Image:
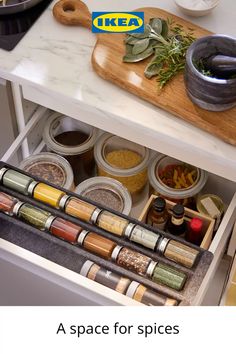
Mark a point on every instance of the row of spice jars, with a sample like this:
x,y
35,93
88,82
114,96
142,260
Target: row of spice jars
x,y
90,213
123,256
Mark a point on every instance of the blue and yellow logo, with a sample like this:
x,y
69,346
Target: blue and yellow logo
x,y
118,22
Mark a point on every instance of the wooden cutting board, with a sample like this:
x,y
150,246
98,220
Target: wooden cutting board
x,y
107,62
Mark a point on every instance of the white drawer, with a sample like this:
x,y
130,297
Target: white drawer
x,y
87,291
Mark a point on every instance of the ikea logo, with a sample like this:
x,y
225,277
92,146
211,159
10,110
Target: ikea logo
x,y
118,22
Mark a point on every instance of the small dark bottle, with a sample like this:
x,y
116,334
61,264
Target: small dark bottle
x,y
158,215
194,234
176,225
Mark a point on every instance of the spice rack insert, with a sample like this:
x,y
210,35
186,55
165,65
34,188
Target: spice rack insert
x,y
208,223
194,275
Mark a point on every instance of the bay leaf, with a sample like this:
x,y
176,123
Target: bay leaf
x,y
140,46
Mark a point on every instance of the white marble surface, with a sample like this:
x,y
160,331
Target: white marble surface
x,y
54,60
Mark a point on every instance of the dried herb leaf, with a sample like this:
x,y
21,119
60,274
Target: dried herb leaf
x,y
130,58
129,49
145,34
165,29
153,68
131,40
156,25
141,46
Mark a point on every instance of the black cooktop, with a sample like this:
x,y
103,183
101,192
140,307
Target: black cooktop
x,y
14,27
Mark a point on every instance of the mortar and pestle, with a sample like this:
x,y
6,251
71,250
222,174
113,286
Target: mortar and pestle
x,y
217,53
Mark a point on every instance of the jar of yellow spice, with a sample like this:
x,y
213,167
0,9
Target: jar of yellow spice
x,y
124,161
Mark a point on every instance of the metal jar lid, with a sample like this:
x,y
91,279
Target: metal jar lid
x,y
95,215
2,172
31,187
82,235
132,289
162,246
63,201
151,268
49,222
17,207
116,252
86,268
129,229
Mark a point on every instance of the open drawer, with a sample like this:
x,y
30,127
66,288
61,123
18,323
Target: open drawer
x,y
87,291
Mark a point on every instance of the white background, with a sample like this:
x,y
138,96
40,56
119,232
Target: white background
x,y
33,330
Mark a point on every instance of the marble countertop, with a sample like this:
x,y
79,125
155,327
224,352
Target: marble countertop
x,y
55,60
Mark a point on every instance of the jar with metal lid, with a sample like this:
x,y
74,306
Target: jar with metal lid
x,y
124,161
108,192
15,180
46,194
50,167
105,277
78,208
73,140
32,215
169,276
148,297
112,223
65,229
7,203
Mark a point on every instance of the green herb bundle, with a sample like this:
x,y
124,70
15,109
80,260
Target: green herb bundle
x,y
168,42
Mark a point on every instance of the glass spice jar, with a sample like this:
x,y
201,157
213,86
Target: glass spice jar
x,y
157,214
7,203
148,297
131,260
73,140
46,194
50,167
124,161
105,277
15,180
32,215
169,276
142,236
96,244
78,208
65,229
112,223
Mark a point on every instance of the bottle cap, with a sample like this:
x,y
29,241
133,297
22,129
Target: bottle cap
x,y
132,289
49,222
86,268
82,235
116,252
159,204
196,224
151,268
31,187
63,201
129,229
2,171
178,210
17,207
95,215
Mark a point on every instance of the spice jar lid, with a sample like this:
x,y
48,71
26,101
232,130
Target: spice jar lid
x,y
86,268
31,187
95,215
132,289
52,126
129,229
178,211
108,192
82,236
50,167
101,161
116,252
2,171
162,245
17,207
49,222
63,201
151,268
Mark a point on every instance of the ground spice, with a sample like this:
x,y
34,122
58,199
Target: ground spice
x,y
7,203
65,230
79,209
112,223
134,261
48,171
99,245
106,197
47,194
